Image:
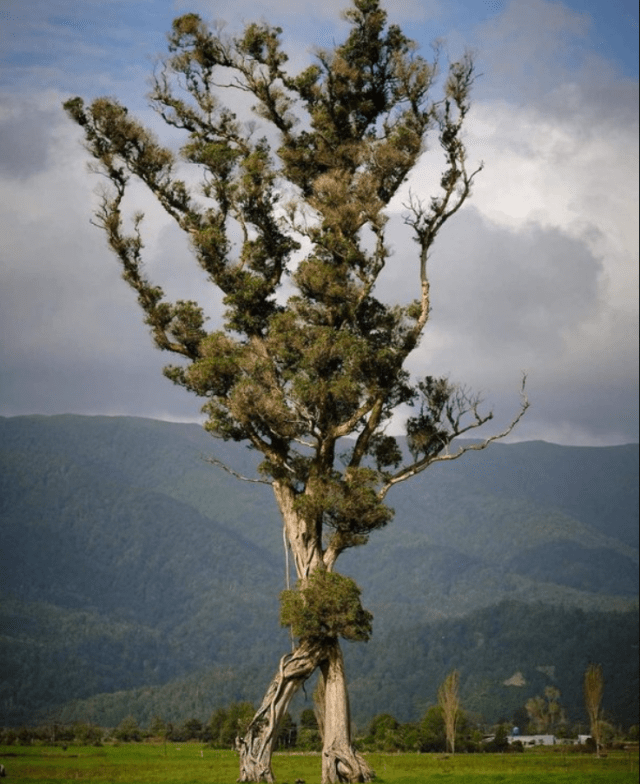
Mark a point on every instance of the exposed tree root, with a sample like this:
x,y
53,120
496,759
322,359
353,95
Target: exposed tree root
x,y
341,764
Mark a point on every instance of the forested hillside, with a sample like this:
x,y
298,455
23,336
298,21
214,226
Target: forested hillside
x,y
132,568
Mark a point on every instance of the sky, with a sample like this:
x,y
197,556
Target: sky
x,y
537,274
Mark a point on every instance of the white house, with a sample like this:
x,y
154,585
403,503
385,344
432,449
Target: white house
x,y
534,740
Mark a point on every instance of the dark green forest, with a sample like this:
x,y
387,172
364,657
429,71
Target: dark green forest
x,y
129,567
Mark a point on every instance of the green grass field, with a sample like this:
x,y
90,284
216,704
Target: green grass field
x,y
191,763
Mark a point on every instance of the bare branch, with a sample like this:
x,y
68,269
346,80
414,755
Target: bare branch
x,y
214,461
420,465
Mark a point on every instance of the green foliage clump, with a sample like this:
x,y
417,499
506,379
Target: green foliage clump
x,y
326,605
309,738
89,734
384,733
226,724
128,730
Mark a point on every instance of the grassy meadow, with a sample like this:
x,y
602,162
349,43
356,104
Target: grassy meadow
x,y
191,763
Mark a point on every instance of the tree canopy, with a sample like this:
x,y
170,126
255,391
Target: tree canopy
x,y
291,376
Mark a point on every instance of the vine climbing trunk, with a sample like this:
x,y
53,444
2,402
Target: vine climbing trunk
x,y
257,745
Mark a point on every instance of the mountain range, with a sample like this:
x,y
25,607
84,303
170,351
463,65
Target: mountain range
x,y
136,577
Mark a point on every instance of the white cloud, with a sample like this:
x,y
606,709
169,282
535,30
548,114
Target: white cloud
x,y
559,173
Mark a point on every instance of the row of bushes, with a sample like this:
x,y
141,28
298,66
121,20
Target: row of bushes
x,y
384,733
219,732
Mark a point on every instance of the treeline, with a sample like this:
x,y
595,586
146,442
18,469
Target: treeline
x,y
383,734
219,732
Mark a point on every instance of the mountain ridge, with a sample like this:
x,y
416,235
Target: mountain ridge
x,y
122,519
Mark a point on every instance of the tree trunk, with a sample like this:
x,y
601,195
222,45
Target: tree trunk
x,y
302,535
257,744
340,761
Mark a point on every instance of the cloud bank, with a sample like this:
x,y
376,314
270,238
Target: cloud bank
x,y
538,273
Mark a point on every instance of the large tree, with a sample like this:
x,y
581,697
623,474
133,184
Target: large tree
x,y
291,226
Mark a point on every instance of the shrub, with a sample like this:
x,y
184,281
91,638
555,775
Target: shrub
x,y
128,730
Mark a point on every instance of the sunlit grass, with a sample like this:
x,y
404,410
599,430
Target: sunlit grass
x,y
193,763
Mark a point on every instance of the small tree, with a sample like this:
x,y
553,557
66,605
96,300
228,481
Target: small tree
x,y
308,720
287,732
432,734
383,732
192,729
546,713
216,727
231,723
593,690
88,734
500,741
128,730
157,727
309,354
309,734
449,702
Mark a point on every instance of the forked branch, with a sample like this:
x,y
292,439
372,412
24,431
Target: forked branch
x,y
420,465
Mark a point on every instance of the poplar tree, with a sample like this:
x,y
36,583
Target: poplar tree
x,y
291,227
449,702
593,690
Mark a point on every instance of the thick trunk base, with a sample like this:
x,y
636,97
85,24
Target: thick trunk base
x,y
341,763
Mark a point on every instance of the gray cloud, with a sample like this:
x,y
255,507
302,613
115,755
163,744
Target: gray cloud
x,y
540,273
511,290
528,46
506,301
537,274
24,140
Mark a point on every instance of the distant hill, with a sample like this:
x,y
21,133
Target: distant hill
x,y
132,568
